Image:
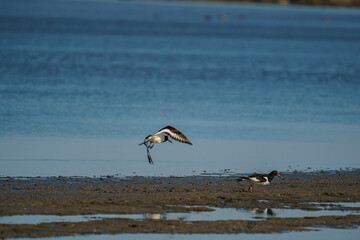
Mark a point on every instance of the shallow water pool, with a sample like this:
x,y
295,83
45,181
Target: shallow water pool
x,y
255,214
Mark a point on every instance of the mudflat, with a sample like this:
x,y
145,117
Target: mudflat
x,y
161,195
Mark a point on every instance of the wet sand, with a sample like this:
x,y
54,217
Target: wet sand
x,y
138,195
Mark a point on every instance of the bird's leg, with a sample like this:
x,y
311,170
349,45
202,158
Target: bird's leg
x,y
250,188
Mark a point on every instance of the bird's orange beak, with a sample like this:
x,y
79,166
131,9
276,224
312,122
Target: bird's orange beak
x,y
280,176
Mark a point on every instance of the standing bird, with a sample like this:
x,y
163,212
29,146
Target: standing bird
x,y
162,136
262,179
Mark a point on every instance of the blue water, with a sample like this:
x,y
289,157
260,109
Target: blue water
x,y
254,87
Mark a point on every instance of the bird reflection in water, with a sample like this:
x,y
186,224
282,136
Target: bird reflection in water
x,y
164,216
154,216
266,212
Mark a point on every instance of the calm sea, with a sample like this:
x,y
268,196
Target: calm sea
x,y
254,87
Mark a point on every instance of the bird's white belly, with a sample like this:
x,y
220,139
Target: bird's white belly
x,y
159,138
264,183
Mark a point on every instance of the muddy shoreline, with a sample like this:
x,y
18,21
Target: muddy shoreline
x,y
139,195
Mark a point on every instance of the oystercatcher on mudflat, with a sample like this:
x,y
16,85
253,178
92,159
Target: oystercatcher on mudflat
x,y
162,136
262,179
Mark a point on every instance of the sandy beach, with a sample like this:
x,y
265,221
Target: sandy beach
x,y
161,195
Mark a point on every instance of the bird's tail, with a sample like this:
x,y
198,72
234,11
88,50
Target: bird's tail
x,y
147,139
144,142
242,179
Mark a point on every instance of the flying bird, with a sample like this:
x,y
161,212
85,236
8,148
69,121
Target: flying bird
x,y
162,136
262,179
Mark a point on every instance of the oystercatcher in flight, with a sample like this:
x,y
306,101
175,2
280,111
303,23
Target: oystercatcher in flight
x,y
262,179
162,136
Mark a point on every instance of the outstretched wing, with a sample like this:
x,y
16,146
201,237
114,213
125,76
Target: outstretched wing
x,y
149,156
174,134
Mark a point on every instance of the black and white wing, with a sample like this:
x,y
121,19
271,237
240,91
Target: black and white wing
x,y
258,178
174,134
149,156
146,143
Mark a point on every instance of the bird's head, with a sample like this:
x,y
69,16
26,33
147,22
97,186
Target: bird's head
x,y
275,173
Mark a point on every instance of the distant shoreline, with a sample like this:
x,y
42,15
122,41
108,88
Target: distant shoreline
x,y
331,3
